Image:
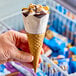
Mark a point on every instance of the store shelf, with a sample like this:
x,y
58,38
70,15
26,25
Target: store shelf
x,y
67,5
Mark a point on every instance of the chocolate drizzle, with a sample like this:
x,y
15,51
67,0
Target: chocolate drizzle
x,y
26,14
35,10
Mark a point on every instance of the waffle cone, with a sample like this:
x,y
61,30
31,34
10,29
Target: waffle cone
x,y
35,44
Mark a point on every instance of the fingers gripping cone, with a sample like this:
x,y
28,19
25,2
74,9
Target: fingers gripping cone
x,y
35,28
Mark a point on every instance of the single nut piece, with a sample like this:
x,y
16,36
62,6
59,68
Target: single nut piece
x,y
46,8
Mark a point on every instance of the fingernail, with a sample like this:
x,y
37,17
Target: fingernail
x,y
32,58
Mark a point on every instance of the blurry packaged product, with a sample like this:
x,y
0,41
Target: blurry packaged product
x,y
66,52
61,52
52,29
49,34
63,67
70,30
51,17
9,70
65,33
45,68
41,65
25,71
69,34
69,45
71,15
64,60
3,70
60,56
64,64
40,72
75,37
63,38
60,73
56,72
68,14
61,9
57,21
10,67
55,61
54,20
60,24
64,10
47,50
52,58
70,54
72,65
44,63
49,73
2,67
48,69
73,57
56,44
72,51
52,71
67,28
64,25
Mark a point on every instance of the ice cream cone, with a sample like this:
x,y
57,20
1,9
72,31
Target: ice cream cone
x,y
35,44
35,27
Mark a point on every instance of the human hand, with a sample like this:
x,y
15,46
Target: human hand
x,y
9,44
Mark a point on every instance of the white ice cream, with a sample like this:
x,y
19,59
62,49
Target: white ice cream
x,y
35,25
32,22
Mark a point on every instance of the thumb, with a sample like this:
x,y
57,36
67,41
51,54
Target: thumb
x,y
22,56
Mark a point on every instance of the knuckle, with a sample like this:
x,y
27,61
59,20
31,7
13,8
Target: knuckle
x,y
7,54
11,31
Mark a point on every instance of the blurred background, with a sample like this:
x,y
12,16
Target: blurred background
x,y
60,38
